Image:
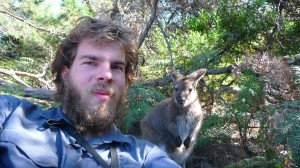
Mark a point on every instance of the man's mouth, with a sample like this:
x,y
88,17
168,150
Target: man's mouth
x,y
102,95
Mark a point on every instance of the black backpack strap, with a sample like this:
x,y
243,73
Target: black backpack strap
x,y
114,156
82,142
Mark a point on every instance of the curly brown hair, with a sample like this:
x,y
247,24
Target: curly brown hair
x,y
96,30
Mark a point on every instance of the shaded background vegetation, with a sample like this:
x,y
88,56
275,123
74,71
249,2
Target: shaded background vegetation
x,y
251,91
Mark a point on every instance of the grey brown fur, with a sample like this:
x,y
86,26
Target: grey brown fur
x,y
174,123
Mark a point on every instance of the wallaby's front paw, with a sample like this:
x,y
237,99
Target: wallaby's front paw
x,y
178,141
187,142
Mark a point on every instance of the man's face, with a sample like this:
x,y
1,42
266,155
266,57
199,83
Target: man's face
x,y
95,85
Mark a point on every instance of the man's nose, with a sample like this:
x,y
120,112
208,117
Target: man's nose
x,y
104,72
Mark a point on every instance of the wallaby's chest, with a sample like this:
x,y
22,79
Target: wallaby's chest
x,y
185,124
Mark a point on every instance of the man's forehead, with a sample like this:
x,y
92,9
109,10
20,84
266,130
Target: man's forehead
x,y
85,50
101,42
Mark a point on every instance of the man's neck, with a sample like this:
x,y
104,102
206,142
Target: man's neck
x,y
93,133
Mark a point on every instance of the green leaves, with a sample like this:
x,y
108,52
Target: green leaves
x,y
203,23
30,34
141,100
288,128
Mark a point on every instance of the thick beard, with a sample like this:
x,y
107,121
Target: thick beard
x,y
93,119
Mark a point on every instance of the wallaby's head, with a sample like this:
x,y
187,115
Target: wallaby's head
x,y
184,86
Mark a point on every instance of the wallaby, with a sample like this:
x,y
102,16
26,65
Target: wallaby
x,y
173,123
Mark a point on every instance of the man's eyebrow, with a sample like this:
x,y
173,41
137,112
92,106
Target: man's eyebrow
x,y
119,62
92,57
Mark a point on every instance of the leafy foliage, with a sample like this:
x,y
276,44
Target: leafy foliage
x,y
31,34
215,129
288,129
256,161
141,100
245,110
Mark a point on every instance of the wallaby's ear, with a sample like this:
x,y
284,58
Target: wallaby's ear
x,y
197,75
175,74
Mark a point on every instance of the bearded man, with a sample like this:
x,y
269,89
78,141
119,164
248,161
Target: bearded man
x,y
93,67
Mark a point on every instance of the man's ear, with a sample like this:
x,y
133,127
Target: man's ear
x,y
64,72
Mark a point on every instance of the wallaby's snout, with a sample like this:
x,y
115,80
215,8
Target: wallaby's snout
x,y
180,100
183,95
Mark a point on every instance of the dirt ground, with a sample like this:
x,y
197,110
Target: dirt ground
x,y
221,155
216,156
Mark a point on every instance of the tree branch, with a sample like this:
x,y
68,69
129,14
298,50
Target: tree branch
x,y
144,33
32,25
88,4
219,71
168,44
13,75
211,90
16,74
168,79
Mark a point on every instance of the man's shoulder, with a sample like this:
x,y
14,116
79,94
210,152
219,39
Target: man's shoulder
x,y
8,104
7,99
138,141
12,102
14,111
21,130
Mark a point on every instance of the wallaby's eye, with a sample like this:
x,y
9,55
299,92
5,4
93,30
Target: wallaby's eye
x,y
176,89
190,89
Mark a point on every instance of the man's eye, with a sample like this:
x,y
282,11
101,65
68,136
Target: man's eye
x,y
116,67
89,63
